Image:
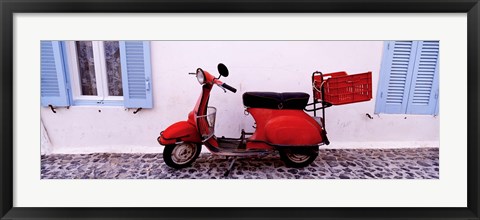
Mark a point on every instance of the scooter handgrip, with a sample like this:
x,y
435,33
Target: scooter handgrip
x,y
227,87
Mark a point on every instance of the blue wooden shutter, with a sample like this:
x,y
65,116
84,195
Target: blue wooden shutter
x,y
395,76
52,74
424,90
136,74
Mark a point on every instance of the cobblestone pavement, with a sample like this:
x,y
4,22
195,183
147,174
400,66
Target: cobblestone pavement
x,y
418,163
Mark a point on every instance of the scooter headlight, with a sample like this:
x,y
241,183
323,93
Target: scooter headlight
x,y
200,76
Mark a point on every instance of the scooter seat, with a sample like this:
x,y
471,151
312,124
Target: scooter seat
x,y
274,100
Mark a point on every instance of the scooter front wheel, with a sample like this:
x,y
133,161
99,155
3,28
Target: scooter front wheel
x,y
181,155
295,157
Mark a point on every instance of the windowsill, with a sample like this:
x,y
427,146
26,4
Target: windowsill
x,y
98,103
404,115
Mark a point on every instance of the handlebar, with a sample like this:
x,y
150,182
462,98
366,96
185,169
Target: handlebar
x,y
227,87
216,81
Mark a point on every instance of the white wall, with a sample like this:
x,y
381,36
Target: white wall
x,y
281,66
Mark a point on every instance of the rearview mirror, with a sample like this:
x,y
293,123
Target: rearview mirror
x,y
222,69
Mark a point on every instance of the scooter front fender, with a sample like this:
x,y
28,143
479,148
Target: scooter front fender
x,y
180,131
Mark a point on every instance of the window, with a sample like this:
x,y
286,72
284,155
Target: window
x,y
409,78
96,73
95,70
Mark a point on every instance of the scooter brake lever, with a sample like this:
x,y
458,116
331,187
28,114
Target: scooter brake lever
x,y
224,90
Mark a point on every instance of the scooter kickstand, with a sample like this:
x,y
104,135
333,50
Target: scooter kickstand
x,y
232,163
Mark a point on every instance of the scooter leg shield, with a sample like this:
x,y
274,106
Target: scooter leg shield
x,y
180,131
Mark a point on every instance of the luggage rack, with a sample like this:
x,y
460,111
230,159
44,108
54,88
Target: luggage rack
x,y
338,88
318,99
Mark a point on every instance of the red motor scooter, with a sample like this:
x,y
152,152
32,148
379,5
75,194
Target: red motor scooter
x,y
281,125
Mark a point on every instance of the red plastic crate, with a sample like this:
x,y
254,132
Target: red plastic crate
x,y
341,88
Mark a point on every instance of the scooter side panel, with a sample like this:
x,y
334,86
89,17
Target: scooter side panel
x,y
292,130
284,127
180,131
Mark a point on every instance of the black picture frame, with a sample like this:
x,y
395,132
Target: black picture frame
x,y
9,7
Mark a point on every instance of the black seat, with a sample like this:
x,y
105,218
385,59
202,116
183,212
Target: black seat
x,y
274,100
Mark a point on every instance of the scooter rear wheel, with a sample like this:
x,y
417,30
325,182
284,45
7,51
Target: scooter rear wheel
x,y
298,157
181,155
